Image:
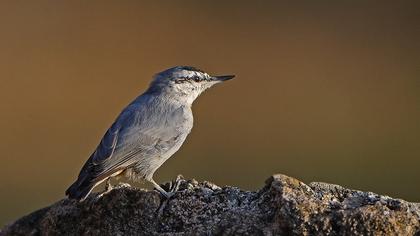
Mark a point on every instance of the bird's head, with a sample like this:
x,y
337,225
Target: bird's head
x,y
184,82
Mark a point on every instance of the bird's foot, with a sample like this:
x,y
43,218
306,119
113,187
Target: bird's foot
x,y
173,188
174,185
162,191
108,188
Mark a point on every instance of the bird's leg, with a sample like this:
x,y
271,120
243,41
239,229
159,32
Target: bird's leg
x,y
108,186
161,190
174,186
167,195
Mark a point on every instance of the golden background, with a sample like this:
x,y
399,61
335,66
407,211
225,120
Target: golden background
x,y
325,90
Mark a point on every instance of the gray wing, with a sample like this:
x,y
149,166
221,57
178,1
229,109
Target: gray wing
x,y
133,137
126,142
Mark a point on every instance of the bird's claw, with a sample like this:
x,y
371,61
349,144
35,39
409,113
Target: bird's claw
x,y
176,184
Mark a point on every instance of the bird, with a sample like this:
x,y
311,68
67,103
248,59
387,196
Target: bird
x,y
147,132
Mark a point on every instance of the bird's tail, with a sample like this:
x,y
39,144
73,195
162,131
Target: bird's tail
x,y
80,189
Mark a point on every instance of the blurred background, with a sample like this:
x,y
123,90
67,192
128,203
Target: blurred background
x,y
325,91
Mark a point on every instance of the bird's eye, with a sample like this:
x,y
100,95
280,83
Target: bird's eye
x,y
196,79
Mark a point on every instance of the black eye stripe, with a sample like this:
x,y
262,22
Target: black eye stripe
x,y
190,79
181,80
200,79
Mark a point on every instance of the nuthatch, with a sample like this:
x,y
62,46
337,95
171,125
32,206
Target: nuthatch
x,y
147,132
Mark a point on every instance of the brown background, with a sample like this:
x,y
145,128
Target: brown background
x,y
325,90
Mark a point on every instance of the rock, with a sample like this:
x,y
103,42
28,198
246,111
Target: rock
x,y
284,206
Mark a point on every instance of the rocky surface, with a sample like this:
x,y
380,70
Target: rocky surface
x,y
284,206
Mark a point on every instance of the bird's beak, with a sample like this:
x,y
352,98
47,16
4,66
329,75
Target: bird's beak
x,y
222,78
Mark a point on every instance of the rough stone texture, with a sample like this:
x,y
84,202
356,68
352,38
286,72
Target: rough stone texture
x,y
284,206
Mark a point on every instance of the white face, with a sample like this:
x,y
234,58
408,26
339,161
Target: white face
x,y
184,83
